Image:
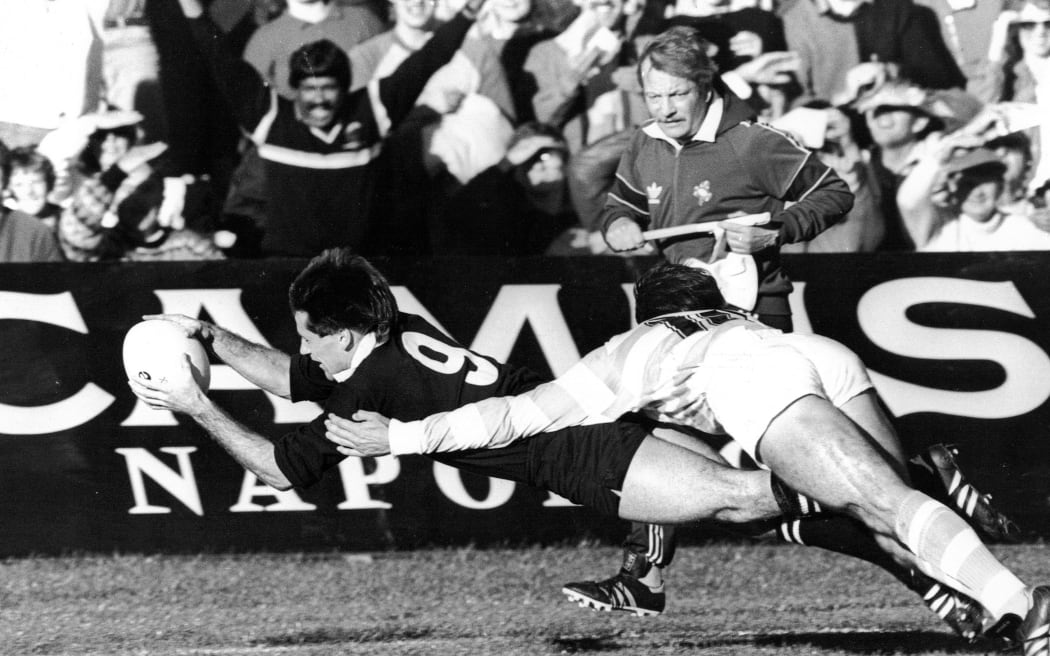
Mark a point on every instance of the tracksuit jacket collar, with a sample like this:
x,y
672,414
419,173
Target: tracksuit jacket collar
x,y
725,110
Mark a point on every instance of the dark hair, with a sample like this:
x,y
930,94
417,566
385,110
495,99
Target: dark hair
x,y
339,290
28,158
319,59
668,288
90,160
680,51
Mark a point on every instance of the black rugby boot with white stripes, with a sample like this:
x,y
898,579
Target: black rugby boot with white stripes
x,y
976,508
623,592
964,615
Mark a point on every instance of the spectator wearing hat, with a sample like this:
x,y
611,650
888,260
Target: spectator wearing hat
x,y
833,36
1015,151
904,121
1020,59
116,195
950,203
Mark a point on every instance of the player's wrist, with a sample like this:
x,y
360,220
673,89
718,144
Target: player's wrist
x,y
406,438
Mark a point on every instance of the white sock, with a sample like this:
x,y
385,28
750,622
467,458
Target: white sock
x,y
950,551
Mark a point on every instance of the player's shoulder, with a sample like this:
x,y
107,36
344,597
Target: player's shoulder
x,y
759,134
755,144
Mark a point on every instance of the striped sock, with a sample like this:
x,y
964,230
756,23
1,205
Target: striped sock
x,y
949,551
792,503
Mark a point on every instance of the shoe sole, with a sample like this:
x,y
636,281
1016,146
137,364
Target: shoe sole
x,y
583,601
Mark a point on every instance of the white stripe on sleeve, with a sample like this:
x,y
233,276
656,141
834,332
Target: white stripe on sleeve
x,y
405,437
586,389
468,425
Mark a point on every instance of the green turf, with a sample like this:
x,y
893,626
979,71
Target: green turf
x,y
723,599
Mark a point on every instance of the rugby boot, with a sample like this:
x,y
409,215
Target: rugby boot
x,y
976,508
622,592
962,614
1032,633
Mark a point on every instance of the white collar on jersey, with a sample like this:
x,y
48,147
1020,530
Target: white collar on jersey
x,y
708,127
363,350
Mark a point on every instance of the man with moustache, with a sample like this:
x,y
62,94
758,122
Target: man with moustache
x,y
703,158
320,148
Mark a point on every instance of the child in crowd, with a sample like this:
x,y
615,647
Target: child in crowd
x,y
30,181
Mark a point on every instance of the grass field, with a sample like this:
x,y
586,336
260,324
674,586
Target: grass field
x,y
724,599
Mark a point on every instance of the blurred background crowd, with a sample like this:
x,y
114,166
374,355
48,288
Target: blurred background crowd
x,y
126,135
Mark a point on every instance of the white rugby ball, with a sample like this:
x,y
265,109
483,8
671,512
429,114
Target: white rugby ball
x,y
154,350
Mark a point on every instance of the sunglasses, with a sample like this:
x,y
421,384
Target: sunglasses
x,y
1031,25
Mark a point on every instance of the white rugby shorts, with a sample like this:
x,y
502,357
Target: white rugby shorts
x,y
756,375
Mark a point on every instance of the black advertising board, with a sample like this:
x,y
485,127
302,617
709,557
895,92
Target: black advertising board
x,y
957,344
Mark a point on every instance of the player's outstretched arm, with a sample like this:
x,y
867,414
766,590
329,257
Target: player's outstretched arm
x,y
181,393
264,366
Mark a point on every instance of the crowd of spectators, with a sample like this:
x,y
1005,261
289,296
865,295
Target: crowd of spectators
x,y
180,129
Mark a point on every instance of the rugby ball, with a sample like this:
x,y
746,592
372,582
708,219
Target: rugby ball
x,y
154,350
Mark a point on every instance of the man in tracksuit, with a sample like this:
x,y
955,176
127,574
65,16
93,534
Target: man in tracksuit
x,y
703,158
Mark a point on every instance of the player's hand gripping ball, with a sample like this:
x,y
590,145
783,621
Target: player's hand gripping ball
x,y
154,350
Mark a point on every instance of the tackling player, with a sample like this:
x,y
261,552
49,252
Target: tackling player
x,y
801,405
360,352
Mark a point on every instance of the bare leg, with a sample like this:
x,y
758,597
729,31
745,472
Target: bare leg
x,y
668,484
821,452
865,411
692,442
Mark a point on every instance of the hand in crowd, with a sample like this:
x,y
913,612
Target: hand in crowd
x,y
453,100
769,68
1040,218
863,78
584,66
473,7
524,149
1000,34
988,124
746,44
945,147
624,235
